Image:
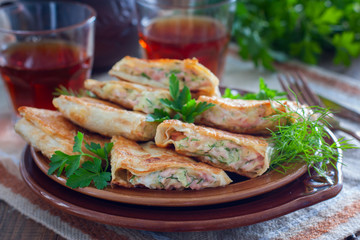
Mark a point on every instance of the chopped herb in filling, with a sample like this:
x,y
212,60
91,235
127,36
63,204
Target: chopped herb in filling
x,y
169,179
145,75
224,151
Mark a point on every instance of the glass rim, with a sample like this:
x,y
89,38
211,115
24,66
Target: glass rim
x,y
90,19
184,4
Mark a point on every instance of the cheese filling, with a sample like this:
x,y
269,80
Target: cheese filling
x,y
176,178
191,79
246,119
223,151
143,101
256,118
148,101
236,120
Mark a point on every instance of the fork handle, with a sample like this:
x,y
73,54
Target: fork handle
x,y
353,134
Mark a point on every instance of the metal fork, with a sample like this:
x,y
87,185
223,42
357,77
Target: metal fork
x,y
298,85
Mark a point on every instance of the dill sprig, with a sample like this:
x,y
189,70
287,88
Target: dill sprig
x,y
303,139
62,90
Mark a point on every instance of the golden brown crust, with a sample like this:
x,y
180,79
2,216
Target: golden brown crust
x,y
105,118
226,167
127,94
170,131
245,140
51,122
151,158
50,131
239,104
207,85
244,116
129,157
94,85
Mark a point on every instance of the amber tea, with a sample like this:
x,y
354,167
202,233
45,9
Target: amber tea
x,y
32,71
183,37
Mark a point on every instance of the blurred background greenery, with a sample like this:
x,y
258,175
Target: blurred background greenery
x,y
308,30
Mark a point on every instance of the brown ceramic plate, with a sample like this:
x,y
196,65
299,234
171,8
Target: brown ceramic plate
x,y
300,193
240,188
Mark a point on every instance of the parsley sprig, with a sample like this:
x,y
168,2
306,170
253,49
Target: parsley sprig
x,y
264,93
89,171
268,31
185,107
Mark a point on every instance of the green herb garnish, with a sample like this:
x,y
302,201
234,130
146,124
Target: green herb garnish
x,y
159,115
145,75
268,31
62,90
174,71
303,140
228,93
264,93
186,108
90,171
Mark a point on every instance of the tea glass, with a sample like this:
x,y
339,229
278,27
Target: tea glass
x,y
185,29
45,45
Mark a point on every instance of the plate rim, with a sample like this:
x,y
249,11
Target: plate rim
x,y
175,198
165,225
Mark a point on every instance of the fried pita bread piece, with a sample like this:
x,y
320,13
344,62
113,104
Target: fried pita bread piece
x,y
129,95
146,165
105,118
49,131
245,116
243,154
155,73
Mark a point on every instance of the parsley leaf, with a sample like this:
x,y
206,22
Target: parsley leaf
x,y
228,93
57,162
347,47
159,115
268,31
264,93
89,171
73,162
193,109
78,142
145,75
185,107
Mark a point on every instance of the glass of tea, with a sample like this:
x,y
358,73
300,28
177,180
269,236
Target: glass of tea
x,y
44,45
186,29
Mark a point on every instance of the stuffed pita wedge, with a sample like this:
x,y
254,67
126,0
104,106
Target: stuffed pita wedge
x,y
243,154
105,118
49,131
129,95
244,116
146,165
156,73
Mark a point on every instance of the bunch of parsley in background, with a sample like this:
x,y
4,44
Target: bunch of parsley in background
x,y
272,30
265,93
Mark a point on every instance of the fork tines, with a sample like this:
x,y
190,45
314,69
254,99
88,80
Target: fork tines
x,y
297,88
